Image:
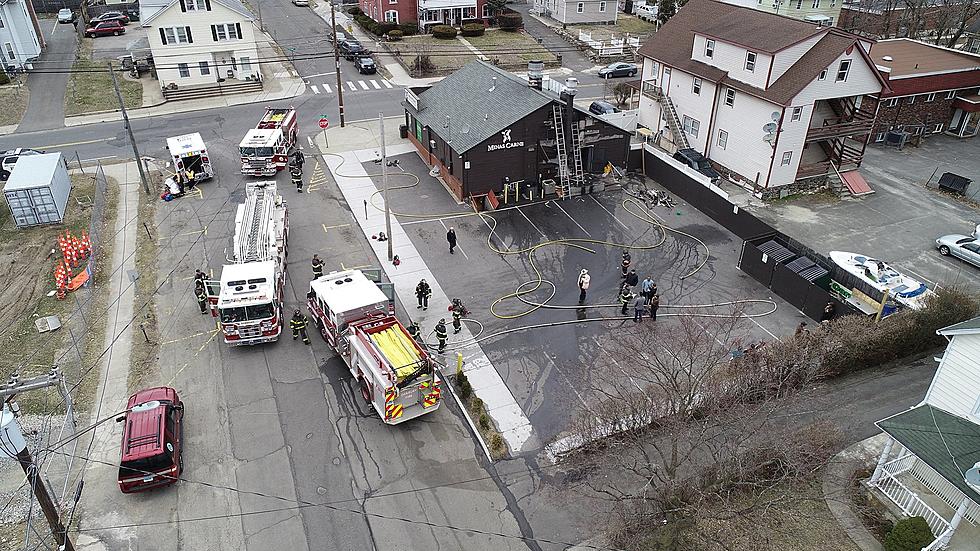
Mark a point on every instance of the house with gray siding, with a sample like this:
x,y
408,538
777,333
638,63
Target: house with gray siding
x,y
20,38
569,12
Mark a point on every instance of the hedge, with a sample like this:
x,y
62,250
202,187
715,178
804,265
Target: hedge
x,y
445,32
473,29
510,21
395,35
909,534
408,29
355,11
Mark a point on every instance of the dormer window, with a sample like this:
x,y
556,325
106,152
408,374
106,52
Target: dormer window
x,y
709,48
750,62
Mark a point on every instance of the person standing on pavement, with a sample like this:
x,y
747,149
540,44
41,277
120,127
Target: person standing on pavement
x,y
583,285
654,305
646,289
296,174
415,332
441,334
299,159
298,325
457,321
317,266
202,297
451,237
423,292
625,265
632,279
199,278
639,308
624,297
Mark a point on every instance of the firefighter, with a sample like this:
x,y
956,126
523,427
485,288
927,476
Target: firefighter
x,y
189,176
415,332
423,292
297,177
299,159
632,279
317,265
624,297
298,325
441,334
199,277
627,259
457,320
202,297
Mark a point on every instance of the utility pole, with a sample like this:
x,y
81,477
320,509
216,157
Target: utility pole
x,y
336,59
12,440
129,129
258,7
384,182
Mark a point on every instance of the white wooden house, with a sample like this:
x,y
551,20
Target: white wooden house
x,y
203,42
930,446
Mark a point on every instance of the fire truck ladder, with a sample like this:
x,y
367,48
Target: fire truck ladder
x,y
563,175
256,243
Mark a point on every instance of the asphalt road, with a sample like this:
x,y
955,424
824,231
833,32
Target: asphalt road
x,y
46,105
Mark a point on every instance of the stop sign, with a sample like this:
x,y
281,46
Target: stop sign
x,y
324,123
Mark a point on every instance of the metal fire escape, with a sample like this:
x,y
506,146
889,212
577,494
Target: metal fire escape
x,y
670,113
566,178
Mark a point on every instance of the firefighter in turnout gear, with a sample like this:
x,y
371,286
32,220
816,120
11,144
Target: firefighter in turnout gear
x,y
423,292
627,259
457,320
441,334
317,265
202,297
416,333
297,176
298,324
624,297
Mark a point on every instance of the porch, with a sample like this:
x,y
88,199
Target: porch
x,y
837,137
966,117
446,12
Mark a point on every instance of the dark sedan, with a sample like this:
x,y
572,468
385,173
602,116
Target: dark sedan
x,y
365,66
111,16
620,69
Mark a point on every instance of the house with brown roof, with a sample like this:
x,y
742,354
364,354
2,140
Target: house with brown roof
x,y
773,101
931,89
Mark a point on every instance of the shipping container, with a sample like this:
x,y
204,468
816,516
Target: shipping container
x,y
38,189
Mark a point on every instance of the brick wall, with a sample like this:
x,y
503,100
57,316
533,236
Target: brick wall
x,y
896,22
930,113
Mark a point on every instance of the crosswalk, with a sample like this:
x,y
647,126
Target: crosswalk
x,y
351,85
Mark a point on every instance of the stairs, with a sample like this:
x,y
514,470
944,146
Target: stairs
x,y
670,113
211,90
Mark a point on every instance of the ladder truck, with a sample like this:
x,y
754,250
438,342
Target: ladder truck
x,y
394,373
265,149
247,299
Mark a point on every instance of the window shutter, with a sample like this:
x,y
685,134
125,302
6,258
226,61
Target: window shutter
x,y
183,6
190,39
163,36
207,5
238,30
214,33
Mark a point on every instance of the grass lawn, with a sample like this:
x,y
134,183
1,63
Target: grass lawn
x,y
92,91
624,24
511,48
445,55
14,101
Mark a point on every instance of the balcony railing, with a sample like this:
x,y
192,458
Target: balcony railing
x,y
836,128
651,90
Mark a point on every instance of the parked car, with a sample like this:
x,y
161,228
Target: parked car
x,y
9,158
352,49
152,442
106,28
111,16
600,107
698,162
365,66
619,69
961,246
337,36
65,15
301,3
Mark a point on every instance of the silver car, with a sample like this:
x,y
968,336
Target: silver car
x,y
961,246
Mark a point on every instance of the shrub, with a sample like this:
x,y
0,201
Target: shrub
x,y
909,534
497,446
465,389
473,29
484,421
354,11
4,79
510,21
385,28
445,32
366,23
476,404
395,35
409,29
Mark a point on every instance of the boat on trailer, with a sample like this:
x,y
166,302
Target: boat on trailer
x,y
904,289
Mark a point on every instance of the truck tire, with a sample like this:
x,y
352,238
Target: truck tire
x,y
365,390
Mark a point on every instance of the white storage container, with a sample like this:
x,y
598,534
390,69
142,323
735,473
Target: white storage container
x,y
38,189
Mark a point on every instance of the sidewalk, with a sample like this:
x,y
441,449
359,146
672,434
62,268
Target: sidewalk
x,y
354,145
837,478
280,81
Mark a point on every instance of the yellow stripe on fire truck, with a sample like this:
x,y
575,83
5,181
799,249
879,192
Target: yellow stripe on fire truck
x,y
394,411
390,394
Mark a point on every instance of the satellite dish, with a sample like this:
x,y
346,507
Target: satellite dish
x,y
768,138
775,115
972,475
769,127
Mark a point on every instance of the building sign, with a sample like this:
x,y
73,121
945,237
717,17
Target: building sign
x,y
505,142
411,98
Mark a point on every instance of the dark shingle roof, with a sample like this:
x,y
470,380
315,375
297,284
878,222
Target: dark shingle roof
x,y
475,111
947,443
756,30
963,327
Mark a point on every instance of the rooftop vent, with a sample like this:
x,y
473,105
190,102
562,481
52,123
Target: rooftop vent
x,y
888,58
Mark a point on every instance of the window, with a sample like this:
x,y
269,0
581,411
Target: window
x,y
666,72
486,11
691,126
937,129
831,22
951,94
892,102
205,69
602,6
730,97
787,159
797,114
176,35
799,4
184,70
226,31
879,137
697,86
750,61
469,13
823,75
191,5
391,16
845,67
396,1
709,48
911,100
580,8
722,139
931,97
816,4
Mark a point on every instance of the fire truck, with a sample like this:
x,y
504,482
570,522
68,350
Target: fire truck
x,y
265,149
248,297
395,374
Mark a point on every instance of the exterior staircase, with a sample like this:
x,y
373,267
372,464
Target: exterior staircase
x,y
670,113
211,90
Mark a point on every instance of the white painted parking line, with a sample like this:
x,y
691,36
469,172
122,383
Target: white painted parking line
x,y
326,88
363,84
608,212
376,85
314,89
532,223
321,74
572,219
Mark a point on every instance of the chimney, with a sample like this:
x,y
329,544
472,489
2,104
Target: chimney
x,y
571,88
535,74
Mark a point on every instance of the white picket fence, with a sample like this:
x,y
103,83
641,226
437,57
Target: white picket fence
x,y
615,46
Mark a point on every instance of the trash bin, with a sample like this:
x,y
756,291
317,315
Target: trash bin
x,y
403,131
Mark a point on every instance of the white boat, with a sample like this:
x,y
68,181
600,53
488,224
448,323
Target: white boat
x,y
905,290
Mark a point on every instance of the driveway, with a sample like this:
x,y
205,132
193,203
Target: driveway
x,y
46,107
112,47
901,220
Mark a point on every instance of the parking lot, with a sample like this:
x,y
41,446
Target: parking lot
x,y
134,42
900,222
553,371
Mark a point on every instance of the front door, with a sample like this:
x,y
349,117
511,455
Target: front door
x,y
212,288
